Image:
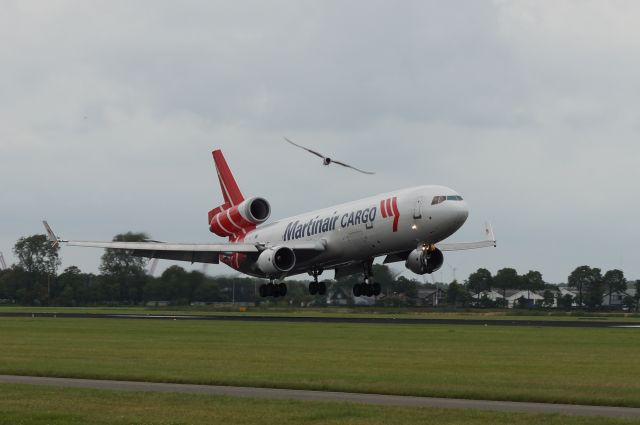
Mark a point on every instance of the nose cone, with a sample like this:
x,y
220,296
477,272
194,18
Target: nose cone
x,y
458,213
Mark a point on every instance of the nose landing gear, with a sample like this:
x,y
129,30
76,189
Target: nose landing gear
x,y
316,287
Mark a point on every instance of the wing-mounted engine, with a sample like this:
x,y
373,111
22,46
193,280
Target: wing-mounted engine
x,y
239,218
275,261
421,261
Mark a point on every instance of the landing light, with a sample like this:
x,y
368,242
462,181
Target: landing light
x,y
414,227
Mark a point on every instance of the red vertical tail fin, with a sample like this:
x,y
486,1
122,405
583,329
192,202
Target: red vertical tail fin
x,y
230,189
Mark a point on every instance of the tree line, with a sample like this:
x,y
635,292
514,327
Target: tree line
x,y
123,280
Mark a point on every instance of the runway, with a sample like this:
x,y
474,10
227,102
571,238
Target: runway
x,y
319,319
378,399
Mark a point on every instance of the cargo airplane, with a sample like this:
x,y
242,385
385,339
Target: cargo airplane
x,y
404,225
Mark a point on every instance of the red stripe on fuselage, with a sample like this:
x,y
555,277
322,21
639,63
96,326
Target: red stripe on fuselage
x,y
396,213
383,210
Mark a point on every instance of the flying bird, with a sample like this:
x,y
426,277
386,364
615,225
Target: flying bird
x,y
326,160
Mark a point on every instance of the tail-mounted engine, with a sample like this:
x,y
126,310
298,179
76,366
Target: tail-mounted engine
x,y
421,261
275,261
242,217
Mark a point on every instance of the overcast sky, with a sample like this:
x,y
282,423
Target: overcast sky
x,y
109,111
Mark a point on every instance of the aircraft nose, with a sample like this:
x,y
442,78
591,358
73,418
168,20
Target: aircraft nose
x,y
459,213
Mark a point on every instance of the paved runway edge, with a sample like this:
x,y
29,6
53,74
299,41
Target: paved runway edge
x,y
320,319
378,399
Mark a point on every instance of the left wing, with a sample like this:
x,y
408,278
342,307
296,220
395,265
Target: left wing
x,y
195,253
452,246
460,246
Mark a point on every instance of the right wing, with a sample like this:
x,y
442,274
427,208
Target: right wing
x,y
194,253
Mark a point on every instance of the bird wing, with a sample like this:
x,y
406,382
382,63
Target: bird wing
x,y
306,149
350,166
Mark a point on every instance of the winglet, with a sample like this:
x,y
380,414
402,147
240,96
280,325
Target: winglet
x,y
488,231
55,241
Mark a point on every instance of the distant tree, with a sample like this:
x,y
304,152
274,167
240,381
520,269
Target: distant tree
x,y
614,281
506,278
408,287
479,282
636,297
124,275
176,286
37,255
586,280
40,260
71,288
629,302
565,301
594,290
456,294
548,298
522,302
531,281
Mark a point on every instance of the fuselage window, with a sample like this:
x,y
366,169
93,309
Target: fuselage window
x,y
454,198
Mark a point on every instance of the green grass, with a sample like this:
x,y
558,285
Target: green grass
x,y
345,312
584,366
25,404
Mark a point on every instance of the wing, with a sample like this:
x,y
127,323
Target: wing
x,y
306,149
453,246
350,166
194,253
460,246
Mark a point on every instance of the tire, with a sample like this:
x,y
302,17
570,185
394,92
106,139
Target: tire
x,y
322,288
369,290
282,289
357,290
274,290
376,289
313,288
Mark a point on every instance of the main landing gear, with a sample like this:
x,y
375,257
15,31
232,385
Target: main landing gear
x,y
273,290
316,287
367,288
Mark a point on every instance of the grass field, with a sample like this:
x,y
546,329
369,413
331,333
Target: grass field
x,y
585,366
345,312
33,405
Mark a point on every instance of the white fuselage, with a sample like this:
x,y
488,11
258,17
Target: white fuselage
x,y
352,232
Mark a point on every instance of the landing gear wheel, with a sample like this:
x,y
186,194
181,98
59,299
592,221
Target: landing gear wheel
x,y
369,290
322,288
282,289
376,289
313,288
357,290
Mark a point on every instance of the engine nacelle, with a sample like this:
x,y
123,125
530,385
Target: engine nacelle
x,y
243,216
275,261
421,261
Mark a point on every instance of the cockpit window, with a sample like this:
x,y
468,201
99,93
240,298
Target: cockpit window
x,y
441,198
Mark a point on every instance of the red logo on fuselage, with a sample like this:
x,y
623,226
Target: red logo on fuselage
x,y
389,208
